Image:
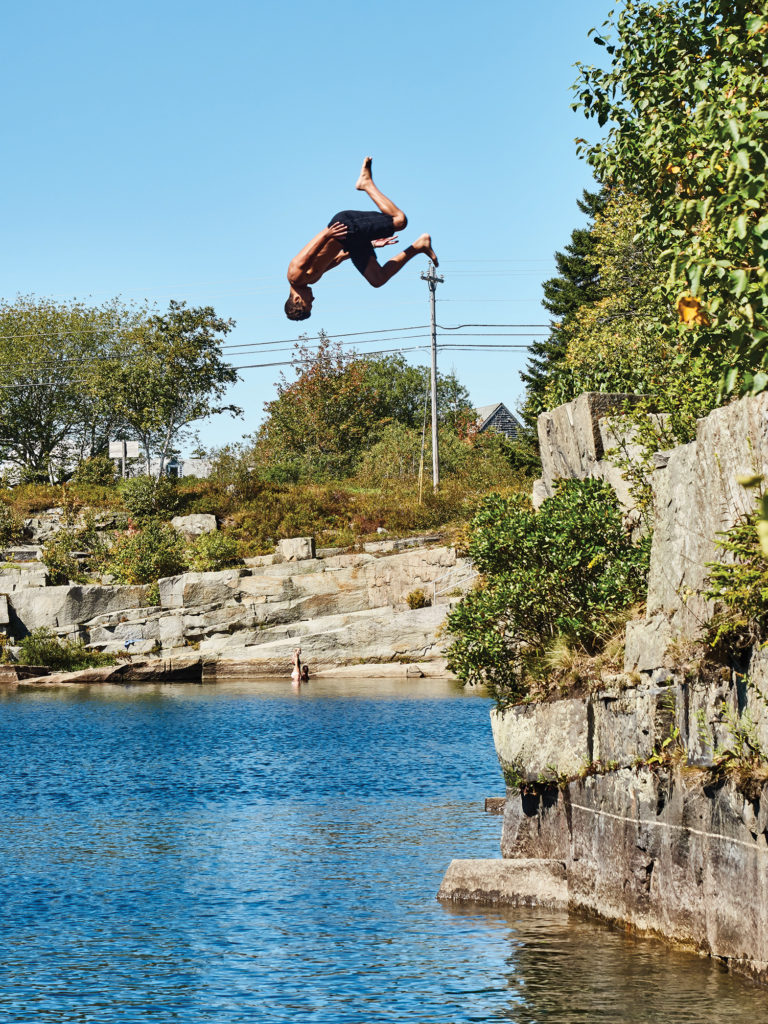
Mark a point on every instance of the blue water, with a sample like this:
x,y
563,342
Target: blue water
x,y
247,853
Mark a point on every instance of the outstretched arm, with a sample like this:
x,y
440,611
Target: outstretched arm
x,y
302,263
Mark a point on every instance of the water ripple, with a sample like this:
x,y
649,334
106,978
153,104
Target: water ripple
x,y
246,853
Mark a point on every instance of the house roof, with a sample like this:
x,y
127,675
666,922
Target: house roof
x,y
484,413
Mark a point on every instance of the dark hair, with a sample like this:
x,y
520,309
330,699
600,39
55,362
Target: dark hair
x,y
295,309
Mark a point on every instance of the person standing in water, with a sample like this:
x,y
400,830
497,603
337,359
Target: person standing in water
x,y
353,235
296,674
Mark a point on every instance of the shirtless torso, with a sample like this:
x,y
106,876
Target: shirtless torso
x,y
327,250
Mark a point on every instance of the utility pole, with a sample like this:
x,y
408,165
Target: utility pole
x,y
433,280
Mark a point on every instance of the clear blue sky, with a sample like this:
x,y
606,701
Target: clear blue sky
x,y
187,150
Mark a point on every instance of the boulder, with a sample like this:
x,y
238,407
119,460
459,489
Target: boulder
x,y
295,549
195,525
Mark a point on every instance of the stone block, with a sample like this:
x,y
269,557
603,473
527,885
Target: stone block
x,y
541,491
570,439
647,641
61,606
628,728
511,883
295,549
194,525
192,589
540,741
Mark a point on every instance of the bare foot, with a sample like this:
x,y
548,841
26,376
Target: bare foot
x,y
365,178
424,244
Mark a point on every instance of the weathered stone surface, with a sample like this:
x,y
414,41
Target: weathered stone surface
x,y
570,438
295,549
24,553
194,525
434,669
647,641
60,606
199,588
378,635
17,579
628,727
511,883
697,497
542,740
660,852
151,670
258,561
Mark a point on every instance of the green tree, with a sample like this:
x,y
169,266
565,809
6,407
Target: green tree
x,y
577,283
52,413
399,392
318,422
685,95
339,405
616,341
171,372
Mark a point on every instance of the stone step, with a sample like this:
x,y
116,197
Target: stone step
x,y
504,882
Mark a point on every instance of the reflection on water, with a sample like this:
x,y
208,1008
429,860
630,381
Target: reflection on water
x,y
250,853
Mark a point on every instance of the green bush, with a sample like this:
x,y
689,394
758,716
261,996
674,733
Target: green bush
x,y
146,555
212,551
564,572
739,585
59,559
10,525
417,599
98,470
146,498
43,647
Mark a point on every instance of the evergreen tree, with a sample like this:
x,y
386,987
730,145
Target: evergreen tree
x,y
577,283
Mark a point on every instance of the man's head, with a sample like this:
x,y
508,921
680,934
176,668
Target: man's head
x,y
299,304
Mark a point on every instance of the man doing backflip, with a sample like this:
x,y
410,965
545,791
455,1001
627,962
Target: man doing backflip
x,y
352,234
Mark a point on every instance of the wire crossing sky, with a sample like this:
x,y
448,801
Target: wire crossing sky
x,y
188,150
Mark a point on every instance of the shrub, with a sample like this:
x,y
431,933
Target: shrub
x,y
740,587
146,498
566,571
98,470
10,525
58,553
147,555
60,561
418,599
43,647
212,551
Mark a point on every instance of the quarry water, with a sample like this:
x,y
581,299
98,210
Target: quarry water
x,y
249,853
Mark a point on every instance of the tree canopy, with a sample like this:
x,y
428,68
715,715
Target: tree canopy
x,y
339,404
577,282
171,372
685,98
77,375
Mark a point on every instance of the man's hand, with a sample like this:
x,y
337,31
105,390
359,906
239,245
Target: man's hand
x,y
337,231
378,242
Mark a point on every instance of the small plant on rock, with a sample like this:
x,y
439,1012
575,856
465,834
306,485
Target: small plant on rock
x,y
146,498
417,599
43,647
211,552
146,555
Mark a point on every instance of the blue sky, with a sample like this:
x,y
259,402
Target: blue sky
x,y
188,150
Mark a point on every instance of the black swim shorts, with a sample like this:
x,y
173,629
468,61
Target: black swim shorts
x,y
364,227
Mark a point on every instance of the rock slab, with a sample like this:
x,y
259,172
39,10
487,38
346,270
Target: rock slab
x,y
510,883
